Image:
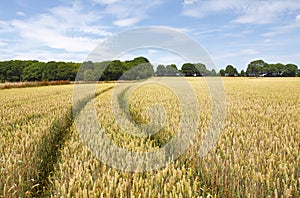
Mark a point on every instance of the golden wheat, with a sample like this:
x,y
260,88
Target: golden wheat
x,y
257,154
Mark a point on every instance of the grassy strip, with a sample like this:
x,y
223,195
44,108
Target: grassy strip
x,y
51,145
9,85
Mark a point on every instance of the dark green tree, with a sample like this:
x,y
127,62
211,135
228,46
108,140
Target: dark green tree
x,y
201,69
255,68
141,71
114,70
189,69
161,70
243,73
34,72
50,71
222,72
290,70
64,71
171,70
231,71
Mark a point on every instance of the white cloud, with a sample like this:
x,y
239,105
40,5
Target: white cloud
x,y
20,13
297,18
71,29
189,2
2,43
202,8
48,56
245,11
95,30
5,27
283,29
205,32
268,40
126,22
264,12
182,30
62,28
51,37
105,1
128,13
70,16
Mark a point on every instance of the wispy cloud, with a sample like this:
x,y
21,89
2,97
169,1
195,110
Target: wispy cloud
x,y
267,40
205,32
189,2
49,36
2,43
297,19
62,28
202,8
44,55
127,12
126,22
65,32
265,12
283,29
105,1
246,11
20,13
5,27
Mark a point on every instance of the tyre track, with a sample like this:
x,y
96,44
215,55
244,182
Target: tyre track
x,y
51,144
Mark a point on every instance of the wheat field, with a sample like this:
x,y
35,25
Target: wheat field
x,y
42,152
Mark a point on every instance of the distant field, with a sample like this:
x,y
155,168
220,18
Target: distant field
x,y
10,85
257,155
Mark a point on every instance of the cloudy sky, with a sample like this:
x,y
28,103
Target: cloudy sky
x,y
232,32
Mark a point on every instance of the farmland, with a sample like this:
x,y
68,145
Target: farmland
x,y
257,155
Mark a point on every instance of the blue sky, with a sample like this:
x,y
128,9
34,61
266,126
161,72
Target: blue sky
x,y
232,32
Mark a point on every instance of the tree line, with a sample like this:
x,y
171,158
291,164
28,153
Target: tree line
x,y
33,70
261,68
187,69
138,68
